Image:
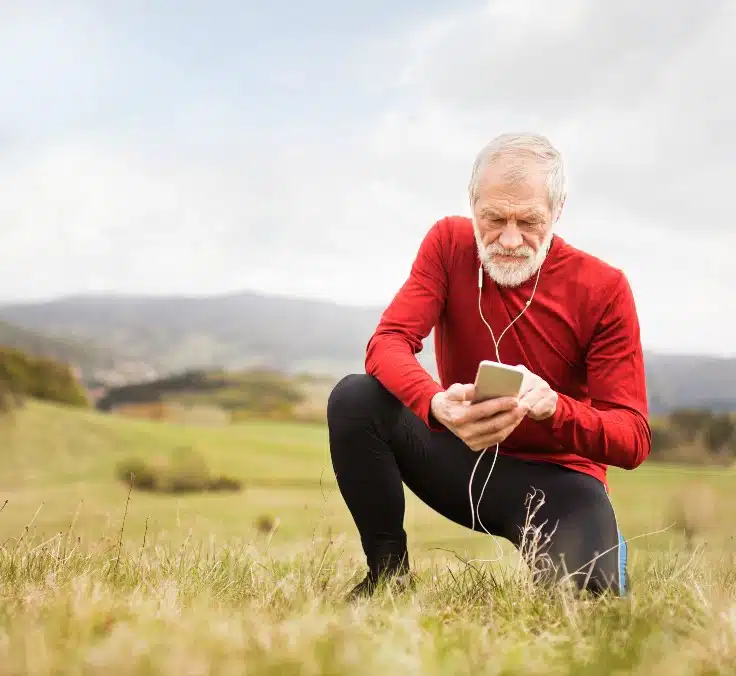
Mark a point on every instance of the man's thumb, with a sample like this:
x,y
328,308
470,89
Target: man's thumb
x,y
460,392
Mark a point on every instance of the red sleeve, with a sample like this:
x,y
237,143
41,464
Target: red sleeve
x,y
406,322
614,428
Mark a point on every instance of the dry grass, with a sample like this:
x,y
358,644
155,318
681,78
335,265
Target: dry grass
x,y
235,609
96,579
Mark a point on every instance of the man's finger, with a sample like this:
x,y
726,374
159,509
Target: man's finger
x,y
487,409
529,380
532,398
488,427
495,438
460,392
542,408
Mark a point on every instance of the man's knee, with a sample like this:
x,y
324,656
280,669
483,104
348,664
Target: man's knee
x,y
583,547
596,576
357,395
602,569
616,574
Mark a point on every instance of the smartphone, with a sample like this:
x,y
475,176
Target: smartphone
x,y
496,380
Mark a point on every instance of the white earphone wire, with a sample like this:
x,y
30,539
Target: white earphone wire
x,y
475,510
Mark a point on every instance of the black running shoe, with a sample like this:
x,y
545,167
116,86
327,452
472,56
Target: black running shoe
x,y
399,582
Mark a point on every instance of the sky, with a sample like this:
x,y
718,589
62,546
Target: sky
x,y
304,149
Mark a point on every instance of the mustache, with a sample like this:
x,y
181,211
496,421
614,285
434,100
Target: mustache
x,y
523,251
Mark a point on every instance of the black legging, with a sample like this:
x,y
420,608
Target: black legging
x,y
377,443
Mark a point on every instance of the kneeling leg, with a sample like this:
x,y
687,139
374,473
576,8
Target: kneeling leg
x,y
568,532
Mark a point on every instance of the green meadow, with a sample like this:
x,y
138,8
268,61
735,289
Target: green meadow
x,y
96,577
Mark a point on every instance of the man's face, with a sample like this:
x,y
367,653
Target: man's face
x,y
513,224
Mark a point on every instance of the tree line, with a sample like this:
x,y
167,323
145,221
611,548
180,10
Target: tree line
x,y
696,435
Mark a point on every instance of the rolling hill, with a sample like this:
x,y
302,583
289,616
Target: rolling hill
x,y
81,353
229,331
244,329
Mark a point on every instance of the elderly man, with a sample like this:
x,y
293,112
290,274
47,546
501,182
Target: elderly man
x,y
504,286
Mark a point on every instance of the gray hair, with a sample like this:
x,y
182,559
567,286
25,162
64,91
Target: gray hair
x,y
521,147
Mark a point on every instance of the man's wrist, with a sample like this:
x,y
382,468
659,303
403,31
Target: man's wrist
x,y
434,405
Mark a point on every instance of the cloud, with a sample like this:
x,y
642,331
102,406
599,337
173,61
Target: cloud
x,y
635,94
124,175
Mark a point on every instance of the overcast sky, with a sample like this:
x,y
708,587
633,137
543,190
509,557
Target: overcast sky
x,y
304,148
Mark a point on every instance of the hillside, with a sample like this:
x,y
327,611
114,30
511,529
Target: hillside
x,y
81,353
66,461
232,331
681,381
62,457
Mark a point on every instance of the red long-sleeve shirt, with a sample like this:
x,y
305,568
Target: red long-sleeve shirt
x,y
580,334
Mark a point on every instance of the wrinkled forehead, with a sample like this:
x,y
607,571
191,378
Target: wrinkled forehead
x,y
520,177
506,188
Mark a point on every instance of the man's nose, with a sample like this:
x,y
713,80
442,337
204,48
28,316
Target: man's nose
x,y
510,236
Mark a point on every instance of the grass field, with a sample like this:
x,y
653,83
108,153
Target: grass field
x,y
95,578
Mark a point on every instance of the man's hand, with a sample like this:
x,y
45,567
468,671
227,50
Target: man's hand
x,y
479,425
537,395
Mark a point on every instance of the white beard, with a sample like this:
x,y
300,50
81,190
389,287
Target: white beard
x,y
512,273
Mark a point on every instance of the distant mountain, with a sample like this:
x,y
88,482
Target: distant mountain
x,y
236,330
78,353
173,333
694,381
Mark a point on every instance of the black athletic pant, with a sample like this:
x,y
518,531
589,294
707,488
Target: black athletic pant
x,y
377,443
